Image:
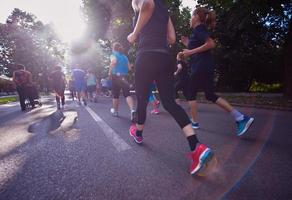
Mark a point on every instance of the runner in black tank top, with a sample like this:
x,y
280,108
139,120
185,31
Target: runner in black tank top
x,y
154,63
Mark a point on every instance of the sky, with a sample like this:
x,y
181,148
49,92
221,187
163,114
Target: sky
x,y
189,3
64,14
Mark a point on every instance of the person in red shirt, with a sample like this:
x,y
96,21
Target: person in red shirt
x,y
58,84
23,81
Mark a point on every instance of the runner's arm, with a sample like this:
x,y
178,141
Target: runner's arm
x,y
209,44
14,79
145,9
113,64
130,66
170,32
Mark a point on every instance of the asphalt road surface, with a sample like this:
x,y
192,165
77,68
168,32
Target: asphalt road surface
x,y
85,153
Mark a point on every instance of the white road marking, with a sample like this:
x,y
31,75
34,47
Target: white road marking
x,y
115,139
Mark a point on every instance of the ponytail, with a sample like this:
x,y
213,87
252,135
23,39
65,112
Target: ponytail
x,y
211,19
206,16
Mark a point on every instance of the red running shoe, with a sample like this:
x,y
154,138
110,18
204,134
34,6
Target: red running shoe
x,y
132,132
200,156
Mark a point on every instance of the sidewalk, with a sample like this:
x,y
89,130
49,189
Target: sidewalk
x,y
270,101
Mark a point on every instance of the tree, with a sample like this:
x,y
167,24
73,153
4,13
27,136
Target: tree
x,y
288,63
27,41
112,20
250,38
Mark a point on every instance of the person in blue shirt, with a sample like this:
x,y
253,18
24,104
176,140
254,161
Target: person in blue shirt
x,y
78,76
118,73
202,64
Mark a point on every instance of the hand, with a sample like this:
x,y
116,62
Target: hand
x,y
179,56
132,37
185,40
187,53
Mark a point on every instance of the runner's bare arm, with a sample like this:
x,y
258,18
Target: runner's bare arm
x,y
170,32
209,44
14,79
112,64
145,9
130,66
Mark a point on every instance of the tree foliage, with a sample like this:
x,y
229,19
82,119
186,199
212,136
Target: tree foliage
x,y
250,36
27,41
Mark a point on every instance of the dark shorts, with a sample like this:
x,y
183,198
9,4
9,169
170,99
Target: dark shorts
x,y
201,81
91,88
118,83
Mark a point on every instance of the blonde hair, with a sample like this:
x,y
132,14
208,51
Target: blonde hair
x,y
206,16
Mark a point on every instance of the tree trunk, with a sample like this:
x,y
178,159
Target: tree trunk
x,y
288,63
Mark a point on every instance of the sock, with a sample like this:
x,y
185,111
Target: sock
x,y
193,141
139,133
193,121
238,116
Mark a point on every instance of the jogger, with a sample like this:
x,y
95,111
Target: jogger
x,y
154,32
23,81
57,79
202,64
118,72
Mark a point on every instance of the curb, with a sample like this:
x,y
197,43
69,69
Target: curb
x,y
279,108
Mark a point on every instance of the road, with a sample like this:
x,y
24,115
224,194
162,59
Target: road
x,y
85,153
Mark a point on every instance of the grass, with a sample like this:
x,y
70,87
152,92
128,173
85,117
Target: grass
x,y
262,87
7,100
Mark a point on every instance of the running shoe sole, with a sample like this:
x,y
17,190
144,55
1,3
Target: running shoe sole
x,y
247,126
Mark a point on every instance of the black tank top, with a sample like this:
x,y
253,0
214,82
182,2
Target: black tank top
x,y
153,36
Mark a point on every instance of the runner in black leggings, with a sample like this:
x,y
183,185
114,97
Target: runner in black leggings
x,y
202,64
154,63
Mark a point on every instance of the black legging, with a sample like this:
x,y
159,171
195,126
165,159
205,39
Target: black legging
x,y
159,67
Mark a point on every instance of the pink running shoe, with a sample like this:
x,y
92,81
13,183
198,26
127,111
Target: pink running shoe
x,y
200,156
155,111
132,132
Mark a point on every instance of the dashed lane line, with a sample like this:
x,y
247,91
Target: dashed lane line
x,y
115,139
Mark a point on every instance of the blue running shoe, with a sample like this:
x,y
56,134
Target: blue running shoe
x,y
195,125
243,125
